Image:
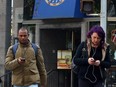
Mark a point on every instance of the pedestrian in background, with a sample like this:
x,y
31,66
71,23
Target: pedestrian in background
x,y
28,70
96,59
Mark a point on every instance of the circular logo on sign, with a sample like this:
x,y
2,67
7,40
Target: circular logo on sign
x,y
54,2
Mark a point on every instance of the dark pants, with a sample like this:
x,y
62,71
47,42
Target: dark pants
x,y
86,83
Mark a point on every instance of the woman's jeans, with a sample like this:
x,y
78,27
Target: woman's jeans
x,y
33,85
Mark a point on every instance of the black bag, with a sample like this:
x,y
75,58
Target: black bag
x,y
74,67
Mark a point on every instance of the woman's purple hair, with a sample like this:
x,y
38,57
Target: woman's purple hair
x,y
99,30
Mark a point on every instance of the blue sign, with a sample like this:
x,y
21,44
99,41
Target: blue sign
x,y
47,9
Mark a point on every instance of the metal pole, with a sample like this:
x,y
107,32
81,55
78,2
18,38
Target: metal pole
x,y
103,15
72,85
7,82
103,19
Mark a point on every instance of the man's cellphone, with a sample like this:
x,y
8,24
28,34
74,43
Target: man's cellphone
x,y
22,59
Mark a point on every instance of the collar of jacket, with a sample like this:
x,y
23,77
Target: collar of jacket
x,y
25,45
103,49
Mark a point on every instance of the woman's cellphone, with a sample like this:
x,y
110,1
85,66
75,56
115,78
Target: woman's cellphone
x,y
93,60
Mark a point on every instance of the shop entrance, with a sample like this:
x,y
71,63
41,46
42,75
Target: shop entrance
x,y
53,40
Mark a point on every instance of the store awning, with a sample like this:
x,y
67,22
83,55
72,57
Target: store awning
x,y
47,9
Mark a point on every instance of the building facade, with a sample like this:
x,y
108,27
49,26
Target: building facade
x,y
55,33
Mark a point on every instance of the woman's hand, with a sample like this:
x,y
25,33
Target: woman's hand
x,y
97,63
91,61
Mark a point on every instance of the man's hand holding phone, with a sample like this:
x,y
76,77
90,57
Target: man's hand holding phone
x,y
21,60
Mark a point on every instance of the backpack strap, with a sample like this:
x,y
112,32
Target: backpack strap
x,y
14,48
35,47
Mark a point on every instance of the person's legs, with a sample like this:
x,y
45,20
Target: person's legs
x,y
99,84
84,83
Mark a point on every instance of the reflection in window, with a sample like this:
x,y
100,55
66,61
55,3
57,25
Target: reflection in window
x,y
28,9
111,8
110,27
115,55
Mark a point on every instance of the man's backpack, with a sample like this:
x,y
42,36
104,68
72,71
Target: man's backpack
x,y
15,46
76,68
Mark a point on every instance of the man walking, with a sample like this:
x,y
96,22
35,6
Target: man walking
x,y
28,69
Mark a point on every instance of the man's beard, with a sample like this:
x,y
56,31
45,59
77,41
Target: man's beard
x,y
24,42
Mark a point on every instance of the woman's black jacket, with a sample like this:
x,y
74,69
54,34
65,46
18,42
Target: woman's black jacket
x,y
87,69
